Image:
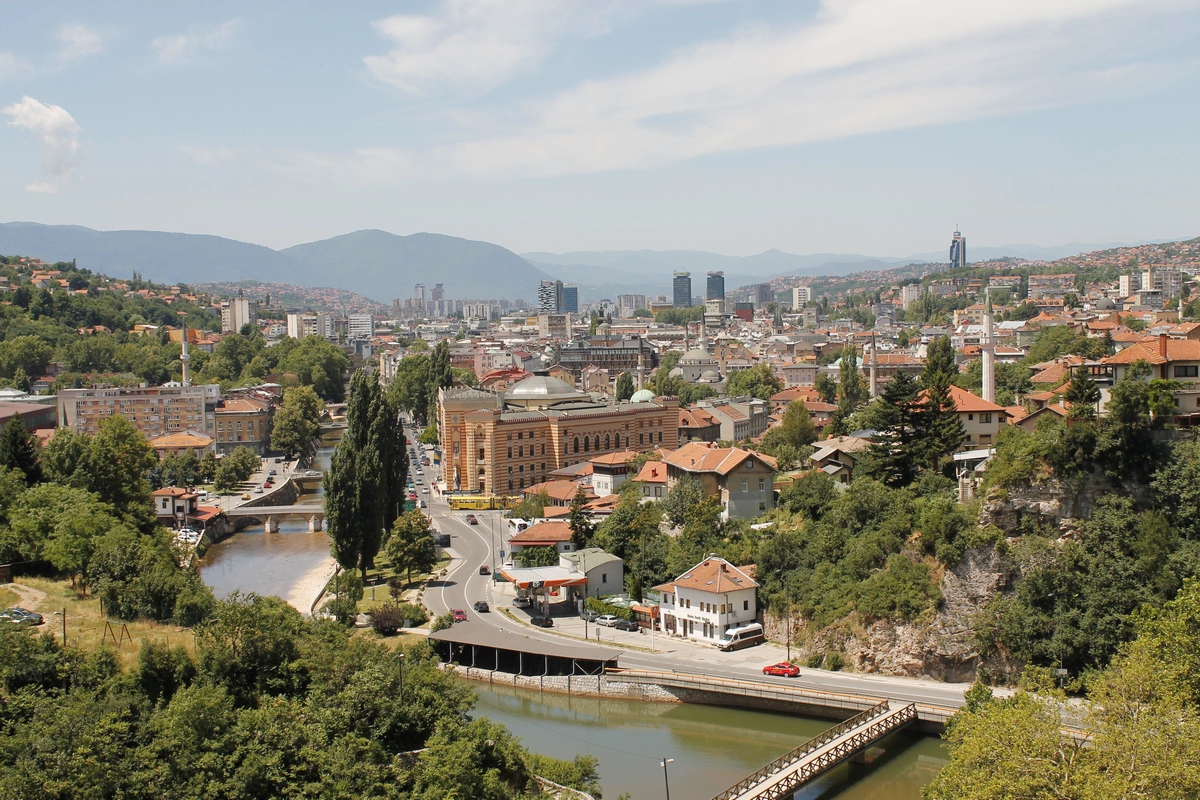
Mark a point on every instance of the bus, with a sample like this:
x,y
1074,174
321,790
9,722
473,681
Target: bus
x,y
480,502
741,636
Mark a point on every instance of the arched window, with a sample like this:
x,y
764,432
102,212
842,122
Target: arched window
x,y
597,443
576,444
587,443
607,442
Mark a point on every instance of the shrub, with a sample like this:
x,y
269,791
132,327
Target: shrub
x,y
442,622
387,620
601,607
834,661
395,588
413,613
815,661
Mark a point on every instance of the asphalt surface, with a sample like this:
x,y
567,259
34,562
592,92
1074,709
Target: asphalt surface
x,y
476,545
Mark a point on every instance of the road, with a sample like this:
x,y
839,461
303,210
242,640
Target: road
x,y
472,546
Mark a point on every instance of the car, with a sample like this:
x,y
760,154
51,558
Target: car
x,y
424,504
459,615
520,602
258,490
507,564
472,519
21,618
245,496
424,490
542,622
481,606
607,620
627,625
589,616
485,570
783,669
274,472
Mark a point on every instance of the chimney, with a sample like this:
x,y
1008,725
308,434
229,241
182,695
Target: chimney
x,y
1162,345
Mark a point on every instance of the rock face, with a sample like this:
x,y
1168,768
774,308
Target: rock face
x,y
941,648
1053,502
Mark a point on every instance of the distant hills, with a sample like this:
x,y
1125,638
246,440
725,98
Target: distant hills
x,y
381,265
373,263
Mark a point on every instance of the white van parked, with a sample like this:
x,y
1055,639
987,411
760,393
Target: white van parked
x,y
741,636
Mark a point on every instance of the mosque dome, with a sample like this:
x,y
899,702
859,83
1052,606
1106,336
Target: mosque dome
x,y
543,387
642,396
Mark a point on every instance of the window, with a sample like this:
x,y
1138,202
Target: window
x,y
745,486
543,452
576,444
762,506
481,454
1186,372
510,452
604,577
762,484
640,439
586,444
985,418
970,417
745,605
749,463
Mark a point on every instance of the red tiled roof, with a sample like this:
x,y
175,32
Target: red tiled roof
x,y
563,491
653,472
615,458
715,575
551,532
1150,351
964,401
707,457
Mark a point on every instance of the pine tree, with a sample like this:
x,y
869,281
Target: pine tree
x,y
19,450
1082,394
891,457
579,520
938,430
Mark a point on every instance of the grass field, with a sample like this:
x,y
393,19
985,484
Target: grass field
x,y
86,627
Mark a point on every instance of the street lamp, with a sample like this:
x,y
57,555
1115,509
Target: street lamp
x,y
667,783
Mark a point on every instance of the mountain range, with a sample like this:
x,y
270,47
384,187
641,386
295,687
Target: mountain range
x,y
382,265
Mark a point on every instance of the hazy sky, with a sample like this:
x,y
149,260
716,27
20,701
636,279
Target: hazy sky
x,y
866,126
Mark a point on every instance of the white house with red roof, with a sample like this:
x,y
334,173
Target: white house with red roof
x,y
742,479
980,419
708,599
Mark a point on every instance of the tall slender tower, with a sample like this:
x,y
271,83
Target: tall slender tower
x,y
874,369
988,348
185,359
641,373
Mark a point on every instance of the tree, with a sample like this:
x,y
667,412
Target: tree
x,y
207,469
625,386
827,388
1082,394
291,433
533,506
579,520
852,391
891,458
440,364
795,430
19,450
409,545
684,495
64,455
937,428
758,381
118,461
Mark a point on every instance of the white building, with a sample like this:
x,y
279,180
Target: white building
x,y
301,325
236,313
801,296
707,600
362,325
910,293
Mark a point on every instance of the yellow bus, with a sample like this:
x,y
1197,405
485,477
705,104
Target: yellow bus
x,y
480,502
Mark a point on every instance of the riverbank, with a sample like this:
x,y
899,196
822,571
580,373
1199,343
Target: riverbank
x,y
309,587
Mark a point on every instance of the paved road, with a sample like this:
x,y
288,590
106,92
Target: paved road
x,y
472,546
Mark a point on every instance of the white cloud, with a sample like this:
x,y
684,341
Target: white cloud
x,y
184,47
59,134
859,66
480,44
363,167
77,41
12,67
208,156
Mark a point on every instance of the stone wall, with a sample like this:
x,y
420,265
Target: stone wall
x,y
578,685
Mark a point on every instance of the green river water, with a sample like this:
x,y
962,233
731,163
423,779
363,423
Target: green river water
x,y
713,747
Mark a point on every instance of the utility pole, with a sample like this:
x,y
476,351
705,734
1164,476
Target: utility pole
x,y
667,783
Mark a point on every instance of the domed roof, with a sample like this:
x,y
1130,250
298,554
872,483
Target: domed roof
x,y
710,376
642,396
543,387
697,355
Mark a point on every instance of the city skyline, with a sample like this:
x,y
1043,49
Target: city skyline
x,y
733,128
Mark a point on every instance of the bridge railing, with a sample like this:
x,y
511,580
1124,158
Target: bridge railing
x,y
803,751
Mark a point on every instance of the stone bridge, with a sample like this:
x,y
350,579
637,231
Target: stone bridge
x,y
270,516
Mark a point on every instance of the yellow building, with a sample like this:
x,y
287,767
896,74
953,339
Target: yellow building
x,y
503,443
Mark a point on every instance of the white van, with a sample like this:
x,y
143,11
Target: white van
x,y
742,636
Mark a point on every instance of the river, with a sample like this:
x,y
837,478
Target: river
x,y
714,747
291,564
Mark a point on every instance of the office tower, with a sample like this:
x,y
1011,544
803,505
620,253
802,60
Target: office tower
x,y
763,296
570,299
958,250
801,296
362,325
629,303
681,288
550,297
910,293
438,293
420,298
716,286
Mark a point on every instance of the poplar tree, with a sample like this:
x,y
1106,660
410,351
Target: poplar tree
x,y
625,386
19,450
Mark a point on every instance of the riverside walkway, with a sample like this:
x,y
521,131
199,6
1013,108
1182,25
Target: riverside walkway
x,y
783,776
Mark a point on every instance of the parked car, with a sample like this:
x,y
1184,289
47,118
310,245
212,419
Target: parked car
x,y
783,669
608,620
21,618
472,519
485,570
520,602
481,607
459,615
589,616
627,625
542,622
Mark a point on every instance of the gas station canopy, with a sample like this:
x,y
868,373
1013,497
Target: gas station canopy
x,y
543,577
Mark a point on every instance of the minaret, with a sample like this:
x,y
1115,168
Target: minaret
x,y
184,358
641,373
988,348
874,368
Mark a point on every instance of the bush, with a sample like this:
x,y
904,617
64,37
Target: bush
x,y
815,661
415,614
601,607
442,623
395,588
387,620
834,661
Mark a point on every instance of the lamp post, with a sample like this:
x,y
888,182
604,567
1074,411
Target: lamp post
x,y
667,783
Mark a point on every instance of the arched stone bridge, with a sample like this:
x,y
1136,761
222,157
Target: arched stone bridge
x,y
270,516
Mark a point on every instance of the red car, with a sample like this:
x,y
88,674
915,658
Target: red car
x,y
459,615
782,668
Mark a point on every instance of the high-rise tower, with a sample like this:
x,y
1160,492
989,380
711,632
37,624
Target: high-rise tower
x,y
958,249
682,290
715,288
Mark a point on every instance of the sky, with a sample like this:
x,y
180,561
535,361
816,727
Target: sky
x,y
735,126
